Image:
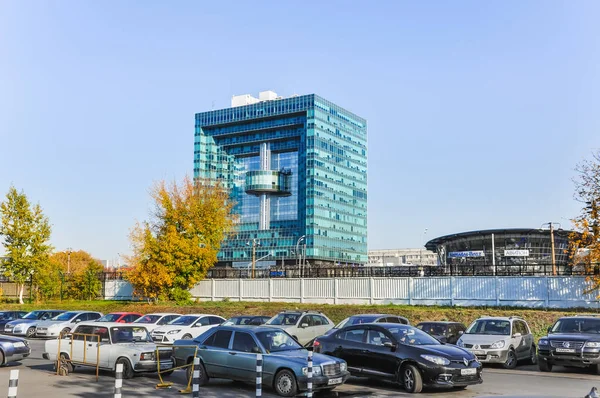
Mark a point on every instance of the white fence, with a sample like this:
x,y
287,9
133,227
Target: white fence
x,y
534,291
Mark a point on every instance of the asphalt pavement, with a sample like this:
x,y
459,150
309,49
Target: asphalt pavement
x,y
37,379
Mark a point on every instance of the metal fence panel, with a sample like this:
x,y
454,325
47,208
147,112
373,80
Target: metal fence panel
x,y
227,288
254,288
474,288
350,288
318,288
523,288
431,288
286,288
390,288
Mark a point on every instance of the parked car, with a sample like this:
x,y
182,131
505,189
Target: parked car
x,y
128,344
303,326
401,353
152,321
230,352
504,340
13,349
26,325
445,332
369,318
186,327
64,323
120,317
254,320
8,316
571,341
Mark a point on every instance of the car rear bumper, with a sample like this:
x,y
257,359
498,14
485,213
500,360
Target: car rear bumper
x,y
321,382
151,366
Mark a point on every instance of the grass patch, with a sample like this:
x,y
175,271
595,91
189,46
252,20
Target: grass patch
x,y
538,320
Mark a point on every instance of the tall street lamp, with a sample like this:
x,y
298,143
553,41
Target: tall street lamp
x,y
298,255
551,225
254,244
421,249
69,251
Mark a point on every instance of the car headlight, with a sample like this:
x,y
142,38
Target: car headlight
x,y
435,359
174,331
593,344
543,342
147,356
460,343
343,366
498,344
316,371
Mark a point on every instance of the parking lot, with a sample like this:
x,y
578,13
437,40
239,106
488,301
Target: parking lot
x,y
37,379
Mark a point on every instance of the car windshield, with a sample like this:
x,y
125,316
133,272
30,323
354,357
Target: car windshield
x,y
356,320
183,320
148,319
110,318
433,328
34,315
574,325
411,336
490,326
238,320
277,341
284,319
65,316
129,334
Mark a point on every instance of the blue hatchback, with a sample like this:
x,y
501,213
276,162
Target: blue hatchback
x,y
229,352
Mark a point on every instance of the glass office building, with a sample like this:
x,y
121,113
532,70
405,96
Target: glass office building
x,y
297,171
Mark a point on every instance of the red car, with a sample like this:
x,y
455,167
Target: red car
x,y
121,317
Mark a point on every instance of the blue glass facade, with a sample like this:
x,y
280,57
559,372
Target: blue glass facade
x,y
295,167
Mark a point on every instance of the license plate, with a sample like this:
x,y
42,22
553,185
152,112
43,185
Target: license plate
x,y
166,365
572,350
337,380
478,352
467,372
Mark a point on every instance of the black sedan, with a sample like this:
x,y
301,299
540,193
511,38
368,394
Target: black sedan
x,y
7,316
369,318
254,320
445,332
403,354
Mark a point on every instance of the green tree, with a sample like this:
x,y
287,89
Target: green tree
x,y
87,284
176,247
26,232
585,241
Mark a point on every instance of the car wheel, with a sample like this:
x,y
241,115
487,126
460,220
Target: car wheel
x,y
167,373
2,358
30,332
544,366
285,383
127,369
65,331
511,360
202,375
411,379
533,355
187,337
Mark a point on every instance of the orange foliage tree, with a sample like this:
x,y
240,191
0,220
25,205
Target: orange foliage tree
x,y
585,241
174,249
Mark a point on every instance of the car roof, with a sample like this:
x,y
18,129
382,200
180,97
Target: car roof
x,y
439,322
108,324
48,310
123,313
500,318
252,328
162,313
201,315
375,315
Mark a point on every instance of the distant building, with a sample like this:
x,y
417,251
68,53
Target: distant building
x,y
395,257
297,171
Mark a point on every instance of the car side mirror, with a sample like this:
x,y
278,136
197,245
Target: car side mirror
x,y
460,332
549,330
304,325
77,320
255,350
517,334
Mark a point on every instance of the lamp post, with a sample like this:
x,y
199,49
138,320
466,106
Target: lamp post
x,y
257,260
69,251
551,225
421,249
298,254
254,244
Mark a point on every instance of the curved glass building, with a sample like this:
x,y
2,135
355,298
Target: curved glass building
x,y
502,247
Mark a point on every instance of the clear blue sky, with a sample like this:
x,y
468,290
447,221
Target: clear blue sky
x,y
478,110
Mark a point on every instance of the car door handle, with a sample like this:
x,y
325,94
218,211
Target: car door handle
x,y
232,353
364,351
89,344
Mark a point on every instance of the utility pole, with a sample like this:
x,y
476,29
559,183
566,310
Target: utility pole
x,y
254,244
553,254
421,249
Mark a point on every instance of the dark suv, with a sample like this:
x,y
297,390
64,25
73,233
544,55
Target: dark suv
x,y
572,341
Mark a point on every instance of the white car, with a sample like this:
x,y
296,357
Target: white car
x,y
64,323
152,321
303,326
116,343
185,327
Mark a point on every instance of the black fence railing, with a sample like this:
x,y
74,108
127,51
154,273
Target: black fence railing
x,y
404,271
